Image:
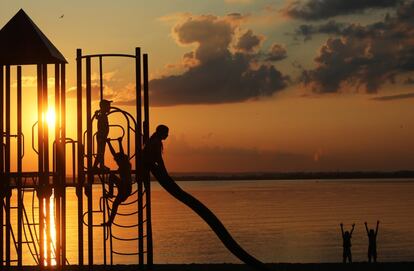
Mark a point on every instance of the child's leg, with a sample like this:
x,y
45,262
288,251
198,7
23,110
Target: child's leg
x,y
114,210
111,183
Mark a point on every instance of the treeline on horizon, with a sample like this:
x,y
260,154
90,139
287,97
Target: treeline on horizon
x,y
293,175
223,176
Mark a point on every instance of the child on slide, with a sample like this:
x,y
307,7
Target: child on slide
x,y
153,148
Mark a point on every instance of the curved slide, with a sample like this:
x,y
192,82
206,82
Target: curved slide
x,y
161,174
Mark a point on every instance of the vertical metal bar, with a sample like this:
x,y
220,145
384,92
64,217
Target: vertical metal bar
x,y
138,158
81,175
46,164
63,159
148,188
100,79
19,168
89,159
103,221
7,165
57,175
1,162
40,162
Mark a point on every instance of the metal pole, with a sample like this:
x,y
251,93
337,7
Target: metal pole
x,y
138,159
40,162
148,188
19,168
63,160
7,165
1,162
46,164
100,79
81,172
58,166
89,160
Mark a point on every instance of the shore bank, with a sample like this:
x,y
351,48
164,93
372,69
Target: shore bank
x,y
400,266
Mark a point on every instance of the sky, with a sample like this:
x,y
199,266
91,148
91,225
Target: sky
x,y
250,85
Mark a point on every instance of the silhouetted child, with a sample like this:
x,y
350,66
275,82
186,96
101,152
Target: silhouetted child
x,y
372,246
123,184
153,148
346,237
102,134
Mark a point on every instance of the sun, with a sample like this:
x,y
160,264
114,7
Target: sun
x,y
51,118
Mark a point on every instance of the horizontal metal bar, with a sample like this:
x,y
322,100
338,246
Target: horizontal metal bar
x,y
108,55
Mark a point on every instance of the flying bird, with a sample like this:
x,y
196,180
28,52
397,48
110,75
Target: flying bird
x,y
61,16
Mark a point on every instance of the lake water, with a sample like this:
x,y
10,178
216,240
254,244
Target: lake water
x,y
276,221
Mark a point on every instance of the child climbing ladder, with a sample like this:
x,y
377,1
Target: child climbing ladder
x,y
123,182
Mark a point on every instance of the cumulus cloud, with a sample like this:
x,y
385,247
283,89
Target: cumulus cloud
x,y
365,56
223,67
249,42
276,52
322,9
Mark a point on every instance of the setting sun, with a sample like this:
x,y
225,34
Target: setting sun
x,y
51,118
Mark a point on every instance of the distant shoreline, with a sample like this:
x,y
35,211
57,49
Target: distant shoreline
x,y
403,174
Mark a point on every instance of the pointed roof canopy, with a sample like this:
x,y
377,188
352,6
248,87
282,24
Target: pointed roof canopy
x,y
22,42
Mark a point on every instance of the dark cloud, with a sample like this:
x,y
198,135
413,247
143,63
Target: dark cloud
x,y
308,30
276,52
249,42
394,97
323,9
365,56
219,75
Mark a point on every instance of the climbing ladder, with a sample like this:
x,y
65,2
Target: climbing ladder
x,y
128,229
122,236
29,224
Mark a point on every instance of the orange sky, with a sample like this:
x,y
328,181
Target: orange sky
x,y
295,127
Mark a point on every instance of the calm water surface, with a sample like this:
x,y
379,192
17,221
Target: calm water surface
x,y
277,221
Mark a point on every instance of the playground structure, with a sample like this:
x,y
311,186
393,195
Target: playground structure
x,y
22,43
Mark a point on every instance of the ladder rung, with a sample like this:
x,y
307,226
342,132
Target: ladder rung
x,y
31,224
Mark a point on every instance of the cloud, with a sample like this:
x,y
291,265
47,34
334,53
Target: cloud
x,y
223,68
276,52
323,9
365,56
308,30
249,42
109,93
238,1
394,97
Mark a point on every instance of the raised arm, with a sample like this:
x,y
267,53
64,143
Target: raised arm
x,y
352,230
342,229
366,227
110,147
376,230
121,149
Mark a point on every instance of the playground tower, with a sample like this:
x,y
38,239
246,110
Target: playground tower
x,y
26,225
